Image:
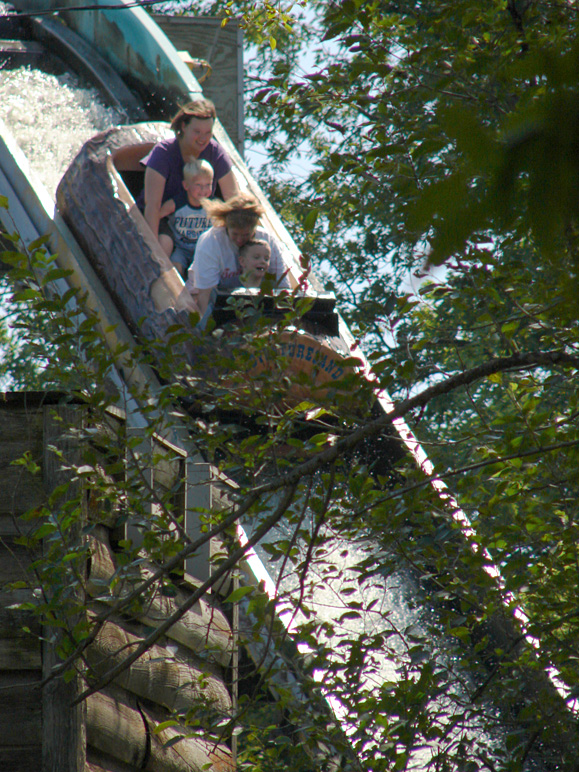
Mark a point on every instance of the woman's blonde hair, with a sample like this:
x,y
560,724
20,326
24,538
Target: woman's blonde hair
x,y
240,211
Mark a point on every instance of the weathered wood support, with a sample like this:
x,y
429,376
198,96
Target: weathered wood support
x,y
20,653
162,674
40,729
63,724
139,453
203,629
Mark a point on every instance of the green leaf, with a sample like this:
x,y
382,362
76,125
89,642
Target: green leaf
x,y
320,439
27,294
56,273
165,725
174,740
311,219
238,594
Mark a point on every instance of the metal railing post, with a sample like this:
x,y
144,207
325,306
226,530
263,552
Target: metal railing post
x,y
198,496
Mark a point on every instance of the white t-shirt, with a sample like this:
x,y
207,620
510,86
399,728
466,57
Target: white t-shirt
x,y
187,223
215,263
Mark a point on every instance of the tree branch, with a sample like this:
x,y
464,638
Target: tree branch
x,y
221,571
517,361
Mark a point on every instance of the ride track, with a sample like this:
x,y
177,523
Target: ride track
x,y
121,50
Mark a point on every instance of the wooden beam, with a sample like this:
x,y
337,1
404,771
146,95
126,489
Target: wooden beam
x,y
63,725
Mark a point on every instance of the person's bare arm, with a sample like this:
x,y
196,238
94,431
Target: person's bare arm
x,y
128,158
167,208
154,189
228,185
203,297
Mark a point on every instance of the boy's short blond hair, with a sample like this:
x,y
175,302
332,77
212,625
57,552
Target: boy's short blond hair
x,y
195,167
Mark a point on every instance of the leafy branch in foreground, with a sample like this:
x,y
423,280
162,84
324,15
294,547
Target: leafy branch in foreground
x,y
353,536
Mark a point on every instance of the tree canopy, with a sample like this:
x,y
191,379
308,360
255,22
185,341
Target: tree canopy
x,y
439,140
444,134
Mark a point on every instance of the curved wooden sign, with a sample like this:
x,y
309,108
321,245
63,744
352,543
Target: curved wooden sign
x,y
292,368
313,367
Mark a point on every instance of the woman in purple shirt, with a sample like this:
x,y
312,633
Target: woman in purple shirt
x,y
193,127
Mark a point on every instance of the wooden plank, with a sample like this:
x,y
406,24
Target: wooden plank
x,y
191,753
19,491
20,714
63,725
19,649
12,525
163,676
115,727
20,433
14,562
20,759
22,653
20,425
102,762
168,464
204,38
198,495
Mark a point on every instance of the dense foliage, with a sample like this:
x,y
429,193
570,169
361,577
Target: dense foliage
x,y
446,133
433,134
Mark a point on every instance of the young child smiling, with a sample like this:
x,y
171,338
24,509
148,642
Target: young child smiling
x,y
185,214
254,259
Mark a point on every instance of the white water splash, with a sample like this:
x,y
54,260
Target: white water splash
x,y
51,117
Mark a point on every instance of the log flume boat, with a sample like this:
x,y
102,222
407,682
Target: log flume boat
x,y
96,203
121,50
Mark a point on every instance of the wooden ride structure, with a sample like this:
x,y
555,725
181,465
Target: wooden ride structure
x,y
133,63
194,669
114,729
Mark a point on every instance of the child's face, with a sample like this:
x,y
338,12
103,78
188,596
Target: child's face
x,y
198,187
254,263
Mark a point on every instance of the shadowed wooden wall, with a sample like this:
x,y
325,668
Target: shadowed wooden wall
x,y
114,730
